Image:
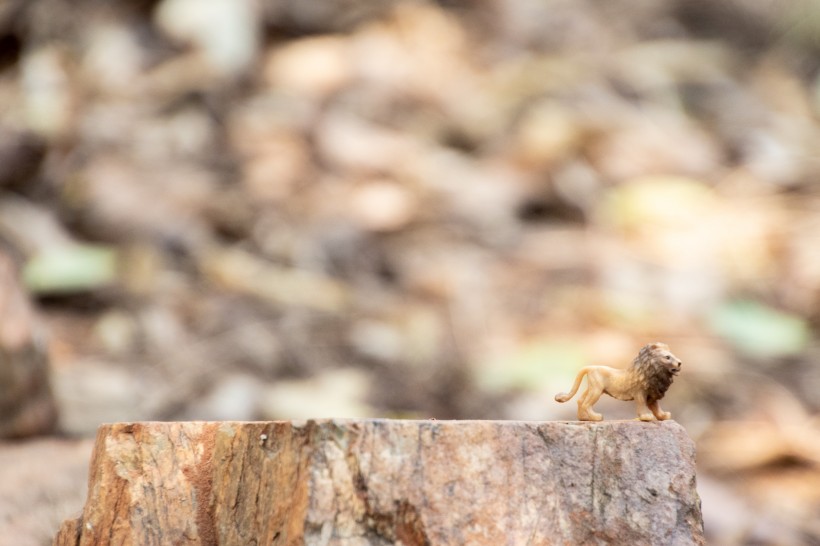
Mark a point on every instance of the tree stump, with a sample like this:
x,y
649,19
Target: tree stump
x,y
359,482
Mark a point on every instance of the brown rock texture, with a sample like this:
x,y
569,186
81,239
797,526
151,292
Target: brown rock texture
x,y
359,482
27,406
41,484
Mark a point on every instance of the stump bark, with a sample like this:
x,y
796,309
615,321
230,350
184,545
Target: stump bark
x,y
384,482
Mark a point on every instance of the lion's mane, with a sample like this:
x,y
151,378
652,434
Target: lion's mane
x,y
653,377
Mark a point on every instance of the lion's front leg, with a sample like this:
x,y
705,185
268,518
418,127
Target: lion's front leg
x,y
644,413
658,412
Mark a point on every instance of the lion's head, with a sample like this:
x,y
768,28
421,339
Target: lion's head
x,y
656,367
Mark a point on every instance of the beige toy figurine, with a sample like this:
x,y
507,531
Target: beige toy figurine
x,y
645,382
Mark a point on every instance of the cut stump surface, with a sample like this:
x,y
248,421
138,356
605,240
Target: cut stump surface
x,y
359,482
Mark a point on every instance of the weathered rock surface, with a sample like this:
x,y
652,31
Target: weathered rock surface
x,y
41,483
390,482
27,406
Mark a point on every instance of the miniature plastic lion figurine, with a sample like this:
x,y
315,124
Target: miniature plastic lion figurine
x,y
645,382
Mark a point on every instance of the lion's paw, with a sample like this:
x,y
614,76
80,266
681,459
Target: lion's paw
x,y
590,416
646,417
664,415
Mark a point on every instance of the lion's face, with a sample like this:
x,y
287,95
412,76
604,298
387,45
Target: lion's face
x,y
664,358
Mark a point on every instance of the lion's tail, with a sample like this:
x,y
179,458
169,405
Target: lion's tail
x,y
564,396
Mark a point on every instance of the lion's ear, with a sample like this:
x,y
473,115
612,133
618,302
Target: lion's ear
x,y
658,345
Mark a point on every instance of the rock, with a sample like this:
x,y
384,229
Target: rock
x,y
332,392
27,406
390,482
381,205
48,94
311,16
42,482
226,32
94,390
244,273
21,155
315,66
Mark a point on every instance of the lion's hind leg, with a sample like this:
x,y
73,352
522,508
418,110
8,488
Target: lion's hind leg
x,y
587,400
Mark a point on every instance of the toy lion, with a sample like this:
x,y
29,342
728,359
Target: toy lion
x,y
645,382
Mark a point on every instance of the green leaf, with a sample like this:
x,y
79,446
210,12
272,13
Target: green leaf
x,y
758,329
71,268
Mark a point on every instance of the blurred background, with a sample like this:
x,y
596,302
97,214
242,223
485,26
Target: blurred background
x,y
279,209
